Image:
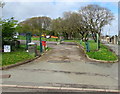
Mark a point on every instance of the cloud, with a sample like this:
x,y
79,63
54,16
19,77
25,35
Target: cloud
x,y
61,0
23,10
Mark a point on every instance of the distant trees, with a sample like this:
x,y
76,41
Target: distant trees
x,y
35,24
75,25
89,20
57,26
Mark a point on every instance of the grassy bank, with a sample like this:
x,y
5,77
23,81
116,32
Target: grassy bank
x,y
103,54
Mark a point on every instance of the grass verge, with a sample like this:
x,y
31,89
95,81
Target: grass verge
x,y
18,55
15,57
103,54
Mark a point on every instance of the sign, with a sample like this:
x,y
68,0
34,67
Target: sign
x,y
15,36
7,48
47,36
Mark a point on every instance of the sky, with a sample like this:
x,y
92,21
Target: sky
x,y
22,10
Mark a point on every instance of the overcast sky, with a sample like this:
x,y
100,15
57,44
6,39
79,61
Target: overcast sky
x,y
53,9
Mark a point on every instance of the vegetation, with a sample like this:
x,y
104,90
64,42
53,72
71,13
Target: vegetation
x,y
103,54
50,39
88,20
8,28
36,25
37,38
18,56
15,57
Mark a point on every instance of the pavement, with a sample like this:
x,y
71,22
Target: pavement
x,y
115,47
63,66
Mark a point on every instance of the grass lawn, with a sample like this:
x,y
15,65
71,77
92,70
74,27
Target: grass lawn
x,y
69,40
37,38
15,57
103,54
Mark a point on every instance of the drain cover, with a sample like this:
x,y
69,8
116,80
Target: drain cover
x,y
59,61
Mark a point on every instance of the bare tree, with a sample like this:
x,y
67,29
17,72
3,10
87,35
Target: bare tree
x,y
96,18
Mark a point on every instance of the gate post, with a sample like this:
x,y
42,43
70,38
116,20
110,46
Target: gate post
x,y
28,39
87,46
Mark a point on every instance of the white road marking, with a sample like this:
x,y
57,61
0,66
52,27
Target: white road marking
x,y
61,88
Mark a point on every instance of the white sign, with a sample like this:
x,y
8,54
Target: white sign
x,y
7,48
15,36
48,37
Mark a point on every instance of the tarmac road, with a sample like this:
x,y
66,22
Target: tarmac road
x,y
64,66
